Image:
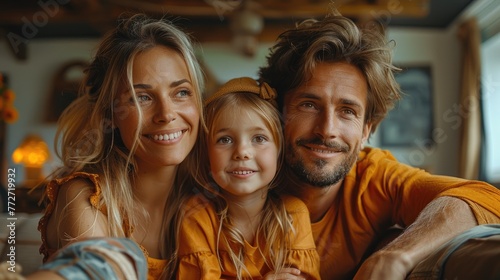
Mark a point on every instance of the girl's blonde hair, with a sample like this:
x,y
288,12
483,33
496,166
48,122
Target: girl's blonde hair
x,y
86,140
276,224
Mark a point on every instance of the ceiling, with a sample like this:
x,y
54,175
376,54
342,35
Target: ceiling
x,y
208,20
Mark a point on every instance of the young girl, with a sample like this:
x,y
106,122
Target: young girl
x,y
239,227
123,142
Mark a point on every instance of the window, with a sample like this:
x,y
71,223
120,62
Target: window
x,y
490,95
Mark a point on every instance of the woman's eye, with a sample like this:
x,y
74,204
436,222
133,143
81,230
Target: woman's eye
x,y
184,93
143,98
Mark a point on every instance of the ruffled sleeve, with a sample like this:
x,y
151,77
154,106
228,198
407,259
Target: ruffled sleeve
x,y
197,235
51,192
203,265
303,254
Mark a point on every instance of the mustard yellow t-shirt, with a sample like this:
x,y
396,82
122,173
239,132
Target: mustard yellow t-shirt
x,y
199,250
379,192
155,266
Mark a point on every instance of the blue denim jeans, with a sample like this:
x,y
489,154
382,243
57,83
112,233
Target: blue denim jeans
x,y
99,259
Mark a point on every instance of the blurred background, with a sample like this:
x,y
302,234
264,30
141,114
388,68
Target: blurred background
x,y
45,44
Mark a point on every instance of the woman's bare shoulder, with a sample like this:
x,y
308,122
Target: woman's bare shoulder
x,y
74,216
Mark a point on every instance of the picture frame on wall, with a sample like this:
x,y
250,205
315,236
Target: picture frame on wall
x,y
411,120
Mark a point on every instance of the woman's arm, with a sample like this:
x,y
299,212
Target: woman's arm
x,y
74,217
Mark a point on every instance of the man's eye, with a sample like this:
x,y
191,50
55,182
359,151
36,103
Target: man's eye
x,y
349,112
308,105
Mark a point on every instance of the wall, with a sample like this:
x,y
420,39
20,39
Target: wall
x,y
440,50
31,80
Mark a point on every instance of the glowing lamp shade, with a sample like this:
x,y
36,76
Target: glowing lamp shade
x,y
32,153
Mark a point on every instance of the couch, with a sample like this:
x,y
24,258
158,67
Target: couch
x,y
20,241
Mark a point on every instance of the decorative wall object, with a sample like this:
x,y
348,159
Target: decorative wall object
x,y
411,120
65,85
8,114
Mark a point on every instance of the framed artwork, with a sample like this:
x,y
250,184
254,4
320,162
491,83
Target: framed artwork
x,y
412,117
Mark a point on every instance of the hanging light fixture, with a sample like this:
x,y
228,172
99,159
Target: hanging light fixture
x,y
246,25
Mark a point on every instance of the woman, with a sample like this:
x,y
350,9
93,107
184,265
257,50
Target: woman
x,y
124,142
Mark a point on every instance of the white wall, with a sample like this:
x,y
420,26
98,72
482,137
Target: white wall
x,y
226,63
31,80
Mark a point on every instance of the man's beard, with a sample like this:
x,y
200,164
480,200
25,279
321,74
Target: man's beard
x,y
320,175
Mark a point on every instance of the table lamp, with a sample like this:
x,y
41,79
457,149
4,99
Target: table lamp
x,y
32,153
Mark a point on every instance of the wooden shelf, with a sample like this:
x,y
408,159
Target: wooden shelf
x,y
27,199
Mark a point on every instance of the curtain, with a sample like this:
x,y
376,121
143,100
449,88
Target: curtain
x,y
470,145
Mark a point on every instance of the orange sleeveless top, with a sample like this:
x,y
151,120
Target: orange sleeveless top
x,y
155,266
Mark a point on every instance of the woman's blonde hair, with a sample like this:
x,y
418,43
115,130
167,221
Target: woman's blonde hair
x,y
86,140
276,224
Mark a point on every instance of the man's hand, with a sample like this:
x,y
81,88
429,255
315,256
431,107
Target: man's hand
x,y
440,221
385,265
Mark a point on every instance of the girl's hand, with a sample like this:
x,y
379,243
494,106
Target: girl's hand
x,y
287,273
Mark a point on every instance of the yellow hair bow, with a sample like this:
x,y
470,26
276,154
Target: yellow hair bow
x,y
245,84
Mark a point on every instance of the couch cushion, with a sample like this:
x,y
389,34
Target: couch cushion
x,y
20,241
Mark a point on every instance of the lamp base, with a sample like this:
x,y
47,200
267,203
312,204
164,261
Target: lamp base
x,y
33,176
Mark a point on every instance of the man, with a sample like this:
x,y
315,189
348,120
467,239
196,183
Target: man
x,y
335,84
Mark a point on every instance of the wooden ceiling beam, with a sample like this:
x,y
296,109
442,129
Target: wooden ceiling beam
x,y
19,48
277,10
206,20
222,33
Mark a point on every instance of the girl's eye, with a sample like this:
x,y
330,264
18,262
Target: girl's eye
x,y
260,139
224,140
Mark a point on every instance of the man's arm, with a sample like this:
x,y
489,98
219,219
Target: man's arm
x,y
441,220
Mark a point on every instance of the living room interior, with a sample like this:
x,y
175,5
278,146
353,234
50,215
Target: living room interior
x,y
46,44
